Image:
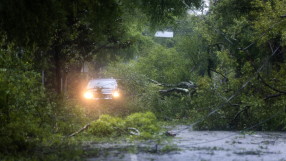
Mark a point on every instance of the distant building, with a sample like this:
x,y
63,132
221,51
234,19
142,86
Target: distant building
x,y
167,34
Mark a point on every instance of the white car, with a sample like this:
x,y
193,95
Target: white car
x,y
104,88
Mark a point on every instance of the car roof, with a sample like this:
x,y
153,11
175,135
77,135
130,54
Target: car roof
x,y
103,83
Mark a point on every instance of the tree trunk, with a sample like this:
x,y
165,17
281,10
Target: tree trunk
x,y
58,74
43,78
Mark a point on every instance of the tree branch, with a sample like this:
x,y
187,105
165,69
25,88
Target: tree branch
x,y
219,73
261,36
161,84
239,112
188,84
180,90
273,96
267,85
80,130
182,87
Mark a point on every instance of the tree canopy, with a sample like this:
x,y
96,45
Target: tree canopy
x,y
222,70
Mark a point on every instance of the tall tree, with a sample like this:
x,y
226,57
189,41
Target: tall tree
x,y
78,26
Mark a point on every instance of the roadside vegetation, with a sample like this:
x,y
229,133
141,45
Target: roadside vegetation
x,y
233,60
224,70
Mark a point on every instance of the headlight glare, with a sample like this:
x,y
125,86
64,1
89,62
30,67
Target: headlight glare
x,y
115,94
88,95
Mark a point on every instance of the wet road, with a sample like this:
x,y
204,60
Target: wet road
x,y
199,146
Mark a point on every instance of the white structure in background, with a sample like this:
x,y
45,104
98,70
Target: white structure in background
x,y
167,34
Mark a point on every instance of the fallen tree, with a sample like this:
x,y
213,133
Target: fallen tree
x,y
187,88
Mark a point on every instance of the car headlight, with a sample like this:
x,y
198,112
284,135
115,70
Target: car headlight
x,y
115,94
88,95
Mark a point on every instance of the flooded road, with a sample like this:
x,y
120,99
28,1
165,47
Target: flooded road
x,y
199,146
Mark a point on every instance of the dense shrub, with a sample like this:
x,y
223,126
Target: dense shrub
x,y
24,109
142,121
30,116
106,125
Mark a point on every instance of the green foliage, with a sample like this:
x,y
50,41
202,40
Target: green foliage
x,y
53,149
67,116
146,122
107,19
163,12
221,52
198,53
24,108
55,37
29,17
164,65
30,117
108,126
268,20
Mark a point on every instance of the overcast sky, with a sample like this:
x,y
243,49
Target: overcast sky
x,y
170,34
199,12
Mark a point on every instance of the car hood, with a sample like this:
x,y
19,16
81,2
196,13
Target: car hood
x,y
103,90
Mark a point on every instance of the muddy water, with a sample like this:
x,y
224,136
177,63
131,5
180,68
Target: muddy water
x,y
191,145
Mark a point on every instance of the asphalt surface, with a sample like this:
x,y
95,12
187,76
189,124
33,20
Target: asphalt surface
x,y
191,145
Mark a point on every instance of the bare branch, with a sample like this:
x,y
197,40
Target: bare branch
x,y
261,36
269,86
273,96
80,130
239,112
270,46
162,84
180,90
219,73
224,35
188,84
134,131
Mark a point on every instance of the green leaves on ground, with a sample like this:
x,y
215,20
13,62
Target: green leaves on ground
x,y
227,54
142,125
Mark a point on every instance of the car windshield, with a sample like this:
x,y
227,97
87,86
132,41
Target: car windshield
x,y
102,83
